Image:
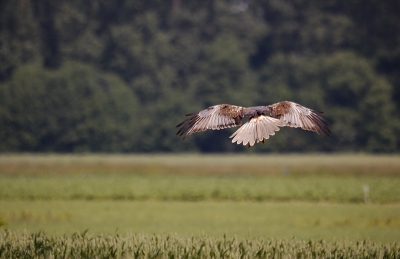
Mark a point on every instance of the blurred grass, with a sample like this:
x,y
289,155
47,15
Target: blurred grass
x,y
276,220
274,196
199,177
197,188
193,164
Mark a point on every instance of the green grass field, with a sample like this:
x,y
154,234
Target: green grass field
x,y
276,220
313,178
333,199
192,164
197,188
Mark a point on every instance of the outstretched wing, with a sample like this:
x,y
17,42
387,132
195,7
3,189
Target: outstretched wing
x,y
215,117
257,129
298,116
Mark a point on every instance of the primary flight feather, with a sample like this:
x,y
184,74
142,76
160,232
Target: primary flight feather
x,y
263,121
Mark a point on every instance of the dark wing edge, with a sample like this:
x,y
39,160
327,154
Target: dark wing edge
x,y
296,115
321,125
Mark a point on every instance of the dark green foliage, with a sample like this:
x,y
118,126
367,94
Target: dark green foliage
x,y
19,36
75,108
178,57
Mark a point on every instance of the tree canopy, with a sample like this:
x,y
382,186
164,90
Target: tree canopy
x,y
117,76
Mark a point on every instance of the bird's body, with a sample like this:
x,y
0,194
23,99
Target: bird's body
x,y
263,121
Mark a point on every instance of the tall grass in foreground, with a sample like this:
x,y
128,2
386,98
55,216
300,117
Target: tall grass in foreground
x,y
39,245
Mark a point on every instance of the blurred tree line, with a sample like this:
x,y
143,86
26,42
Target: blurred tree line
x,y
117,76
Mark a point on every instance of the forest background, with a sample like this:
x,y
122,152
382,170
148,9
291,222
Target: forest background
x,y
118,76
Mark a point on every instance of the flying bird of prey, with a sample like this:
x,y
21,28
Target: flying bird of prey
x,y
263,121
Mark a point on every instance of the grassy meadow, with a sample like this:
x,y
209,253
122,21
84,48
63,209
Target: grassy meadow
x,y
333,199
281,220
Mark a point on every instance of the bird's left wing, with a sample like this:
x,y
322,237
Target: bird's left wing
x,y
257,129
215,117
298,116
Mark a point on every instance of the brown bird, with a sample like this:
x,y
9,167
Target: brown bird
x,y
263,121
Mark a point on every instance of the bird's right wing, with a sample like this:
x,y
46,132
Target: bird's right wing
x,y
215,117
257,129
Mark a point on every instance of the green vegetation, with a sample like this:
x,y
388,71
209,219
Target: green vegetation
x,y
84,245
199,165
100,106
193,178
275,220
196,188
294,206
117,76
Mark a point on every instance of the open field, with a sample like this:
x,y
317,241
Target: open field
x,y
344,178
193,178
250,164
339,200
199,187
275,220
